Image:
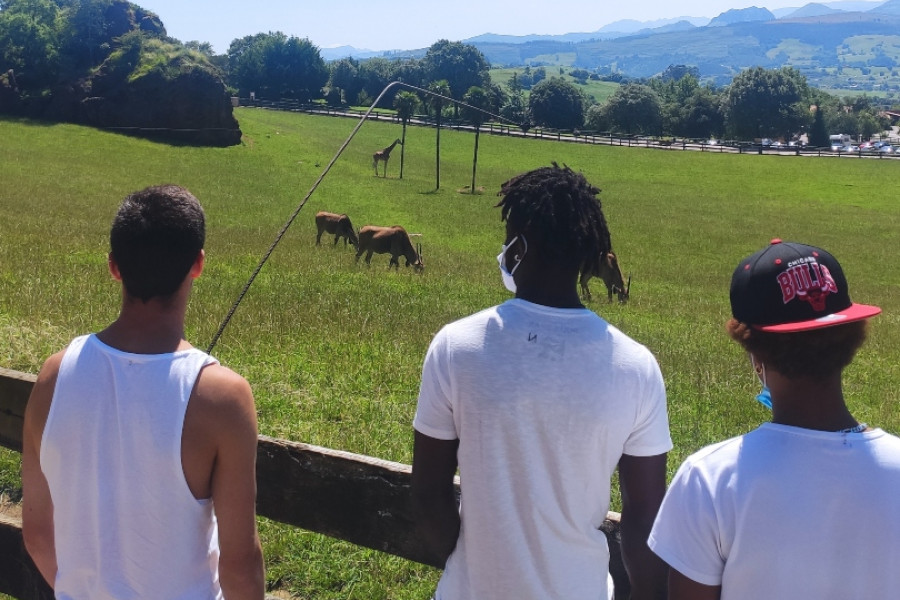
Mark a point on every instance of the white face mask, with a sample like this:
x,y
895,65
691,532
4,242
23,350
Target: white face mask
x,y
508,281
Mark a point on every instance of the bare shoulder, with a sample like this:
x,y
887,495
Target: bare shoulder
x,y
220,393
42,392
41,397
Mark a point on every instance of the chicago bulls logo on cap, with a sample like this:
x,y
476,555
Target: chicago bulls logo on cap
x,y
789,287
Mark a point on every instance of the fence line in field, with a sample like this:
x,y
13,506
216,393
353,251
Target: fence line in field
x,y
352,497
573,136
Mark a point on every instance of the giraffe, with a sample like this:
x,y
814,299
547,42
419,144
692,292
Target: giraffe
x,y
383,155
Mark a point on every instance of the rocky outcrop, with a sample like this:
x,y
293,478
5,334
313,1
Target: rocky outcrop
x,y
191,107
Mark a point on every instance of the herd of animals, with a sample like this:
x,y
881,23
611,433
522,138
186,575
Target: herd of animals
x,y
394,240
371,239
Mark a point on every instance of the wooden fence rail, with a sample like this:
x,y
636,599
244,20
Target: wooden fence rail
x,y
348,496
609,138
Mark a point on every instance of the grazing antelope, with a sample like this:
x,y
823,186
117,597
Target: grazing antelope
x,y
389,240
337,225
384,156
608,270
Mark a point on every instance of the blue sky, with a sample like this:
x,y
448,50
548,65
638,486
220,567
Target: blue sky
x,y
409,24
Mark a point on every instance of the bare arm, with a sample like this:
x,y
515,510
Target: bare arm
x,y
643,483
683,588
37,514
434,495
232,422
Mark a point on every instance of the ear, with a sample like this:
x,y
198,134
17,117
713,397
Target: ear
x,y
197,267
113,267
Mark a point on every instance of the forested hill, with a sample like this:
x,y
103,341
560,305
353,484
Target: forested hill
x,y
830,49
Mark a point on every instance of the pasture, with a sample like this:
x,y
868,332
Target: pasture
x,y
334,349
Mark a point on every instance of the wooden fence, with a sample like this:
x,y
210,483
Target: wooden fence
x,y
573,136
347,496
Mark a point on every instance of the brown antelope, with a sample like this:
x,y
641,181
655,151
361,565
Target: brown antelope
x,y
384,156
608,270
389,240
337,225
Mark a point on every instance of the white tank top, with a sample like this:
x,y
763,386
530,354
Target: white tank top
x,y
125,521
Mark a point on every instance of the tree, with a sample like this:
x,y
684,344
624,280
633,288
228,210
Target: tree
x,y
440,90
460,65
406,104
92,28
344,78
595,118
277,66
515,108
634,108
676,72
374,75
29,43
818,135
767,103
557,103
478,101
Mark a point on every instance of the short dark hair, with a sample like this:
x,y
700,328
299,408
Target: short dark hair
x,y
155,238
814,353
559,210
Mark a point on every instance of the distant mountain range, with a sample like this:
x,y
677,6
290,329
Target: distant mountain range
x,y
842,44
627,27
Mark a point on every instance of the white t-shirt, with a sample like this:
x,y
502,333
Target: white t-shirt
x,y
544,402
785,512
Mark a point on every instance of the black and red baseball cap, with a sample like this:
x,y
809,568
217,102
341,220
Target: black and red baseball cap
x,y
787,287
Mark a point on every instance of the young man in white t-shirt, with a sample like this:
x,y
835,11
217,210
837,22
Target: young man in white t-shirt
x,y
805,506
537,401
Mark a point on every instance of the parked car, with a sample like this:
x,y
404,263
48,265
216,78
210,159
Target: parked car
x,y
886,149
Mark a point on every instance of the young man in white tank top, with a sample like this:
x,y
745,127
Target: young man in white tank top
x,y
139,457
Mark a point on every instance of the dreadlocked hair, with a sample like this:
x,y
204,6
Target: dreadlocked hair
x,y
557,209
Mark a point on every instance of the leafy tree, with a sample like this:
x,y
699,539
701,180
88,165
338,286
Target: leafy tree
x,y
375,74
477,101
344,78
634,108
767,103
406,104
441,89
497,97
818,135
410,71
868,125
92,27
277,66
702,115
204,48
460,65
595,118
557,103
29,42
515,108
677,72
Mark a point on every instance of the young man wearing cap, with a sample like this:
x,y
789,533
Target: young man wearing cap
x,y
139,451
805,506
537,401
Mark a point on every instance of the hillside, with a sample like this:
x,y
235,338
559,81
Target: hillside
x,y
839,49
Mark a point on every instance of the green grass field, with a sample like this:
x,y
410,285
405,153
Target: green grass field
x,y
333,349
597,91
